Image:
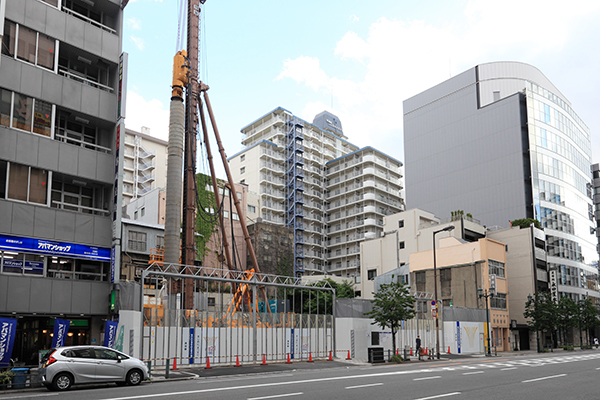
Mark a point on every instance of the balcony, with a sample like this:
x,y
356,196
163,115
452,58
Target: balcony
x,y
92,14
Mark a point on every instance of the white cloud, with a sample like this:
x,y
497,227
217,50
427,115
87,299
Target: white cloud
x,y
134,23
351,47
353,18
152,114
403,58
139,42
304,69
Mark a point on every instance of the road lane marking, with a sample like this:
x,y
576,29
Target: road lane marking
x,y
363,386
222,389
427,377
545,377
472,373
438,396
508,369
275,396
30,397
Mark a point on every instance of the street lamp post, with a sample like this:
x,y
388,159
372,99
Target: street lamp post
x,y
437,314
486,294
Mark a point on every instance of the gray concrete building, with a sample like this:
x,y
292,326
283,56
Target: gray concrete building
x,y
500,141
59,94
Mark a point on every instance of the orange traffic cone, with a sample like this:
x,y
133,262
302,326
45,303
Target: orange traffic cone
x,y
207,362
264,360
330,357
348,355
448,349
310,357
411,351
397,352
175,364
237,361
288,361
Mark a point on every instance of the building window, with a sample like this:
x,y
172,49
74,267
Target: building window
x,y
135,215
25,113
243,181
137,241
371,274
420,280
21,263
239,195
27,184
143,211
496,268
81,197
32,47
401,224
234,216
243,157
401,245
160,242
242,170
498,301
251,209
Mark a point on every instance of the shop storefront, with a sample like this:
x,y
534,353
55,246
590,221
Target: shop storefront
x,y
45,280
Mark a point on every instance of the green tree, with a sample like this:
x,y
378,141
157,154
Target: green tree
x,y
392,304
567,315
321,301
541,312
588,315
526,222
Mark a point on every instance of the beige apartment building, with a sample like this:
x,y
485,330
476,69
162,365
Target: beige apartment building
x,y
463,268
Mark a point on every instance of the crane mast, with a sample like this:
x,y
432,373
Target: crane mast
x,y
183,128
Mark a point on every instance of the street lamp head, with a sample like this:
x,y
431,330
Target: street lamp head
x,y
448,228
480,292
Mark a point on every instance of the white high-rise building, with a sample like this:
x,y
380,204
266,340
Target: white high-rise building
x,y
145,164
309,177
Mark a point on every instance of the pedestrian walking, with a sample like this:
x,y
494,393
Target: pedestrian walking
x,y
419,346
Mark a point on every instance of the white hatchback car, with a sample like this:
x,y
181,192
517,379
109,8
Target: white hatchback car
x,y
67,366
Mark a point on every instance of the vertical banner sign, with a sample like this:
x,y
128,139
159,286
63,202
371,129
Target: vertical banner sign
x,y
115,259
554,285
8,328
191,355
458,336
292,344
61,328
110,333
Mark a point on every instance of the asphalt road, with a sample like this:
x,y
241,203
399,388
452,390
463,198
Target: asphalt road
x,y
544,377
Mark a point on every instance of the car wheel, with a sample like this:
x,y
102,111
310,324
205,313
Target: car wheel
x,y
134,377
62,381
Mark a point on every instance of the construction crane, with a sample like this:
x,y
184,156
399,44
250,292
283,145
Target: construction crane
x,y
183,127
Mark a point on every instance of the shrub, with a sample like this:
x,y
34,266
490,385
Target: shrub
x,y
6,377
396,359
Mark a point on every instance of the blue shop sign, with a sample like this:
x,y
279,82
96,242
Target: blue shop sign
x,y
41,246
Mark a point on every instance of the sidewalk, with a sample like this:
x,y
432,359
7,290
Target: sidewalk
x,y
195,371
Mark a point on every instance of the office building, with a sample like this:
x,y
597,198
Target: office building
x,y
309,177
59,84
502,142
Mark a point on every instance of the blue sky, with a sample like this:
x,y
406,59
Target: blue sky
x,y
357,59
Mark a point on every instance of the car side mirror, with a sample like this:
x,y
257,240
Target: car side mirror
x,y
119,359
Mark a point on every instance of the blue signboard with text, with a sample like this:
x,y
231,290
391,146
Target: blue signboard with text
x,y
41,246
